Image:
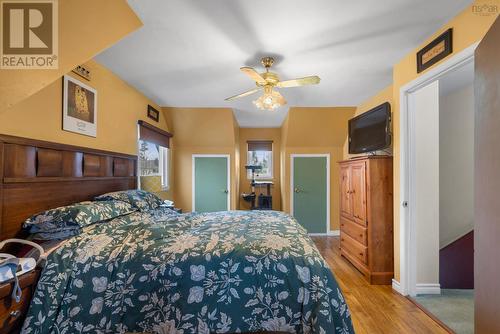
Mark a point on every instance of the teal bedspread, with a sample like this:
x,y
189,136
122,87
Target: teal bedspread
x,y
155,272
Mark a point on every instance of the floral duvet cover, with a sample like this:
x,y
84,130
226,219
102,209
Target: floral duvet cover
x,y
158,272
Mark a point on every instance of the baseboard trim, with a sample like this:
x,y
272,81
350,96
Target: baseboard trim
x,y
421,288
396,286
428,289
332,233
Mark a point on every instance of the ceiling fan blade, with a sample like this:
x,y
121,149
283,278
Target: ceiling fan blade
x,y
250,92
312,80
252,73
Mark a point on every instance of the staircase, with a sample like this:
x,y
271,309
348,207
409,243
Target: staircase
x,y
456,263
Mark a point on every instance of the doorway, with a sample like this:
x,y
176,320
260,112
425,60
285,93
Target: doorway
x,y
437,179
310,187
211,182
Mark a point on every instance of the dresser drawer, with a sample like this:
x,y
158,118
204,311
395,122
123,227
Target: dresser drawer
x,y
356,231
354,248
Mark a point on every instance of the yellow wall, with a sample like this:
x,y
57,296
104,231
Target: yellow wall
x,y
315,130
200,131
273,134
119,106
468,28
86,27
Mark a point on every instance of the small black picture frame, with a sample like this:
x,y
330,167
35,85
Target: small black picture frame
x,y
436,50
153,113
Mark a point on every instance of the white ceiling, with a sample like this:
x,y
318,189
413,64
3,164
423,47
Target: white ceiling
x,y
188,53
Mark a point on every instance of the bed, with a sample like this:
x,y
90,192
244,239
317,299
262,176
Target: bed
x,y
156,271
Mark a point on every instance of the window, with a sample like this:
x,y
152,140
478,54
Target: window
x,y
260,153
154,161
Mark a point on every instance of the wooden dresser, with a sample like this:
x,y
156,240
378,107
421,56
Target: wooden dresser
x,y
366,216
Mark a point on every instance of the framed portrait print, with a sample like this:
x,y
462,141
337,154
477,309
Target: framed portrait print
x,y
79,107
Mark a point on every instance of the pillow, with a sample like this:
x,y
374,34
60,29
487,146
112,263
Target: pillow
x,y
139,199
55,234
67,221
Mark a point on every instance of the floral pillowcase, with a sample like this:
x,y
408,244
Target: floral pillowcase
x,y
139,199
67,221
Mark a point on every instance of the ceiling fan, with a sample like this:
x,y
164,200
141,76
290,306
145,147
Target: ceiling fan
x,y
268,81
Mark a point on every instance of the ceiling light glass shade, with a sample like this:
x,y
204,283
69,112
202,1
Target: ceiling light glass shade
x,y
270,100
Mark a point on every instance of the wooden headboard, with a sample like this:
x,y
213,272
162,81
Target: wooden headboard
x,y
38,175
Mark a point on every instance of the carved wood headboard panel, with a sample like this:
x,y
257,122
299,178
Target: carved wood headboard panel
x,y
37,175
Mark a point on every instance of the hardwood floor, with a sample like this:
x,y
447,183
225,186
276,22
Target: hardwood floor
x,y
374,308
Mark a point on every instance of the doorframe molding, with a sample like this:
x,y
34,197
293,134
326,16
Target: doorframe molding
x,y
193,185
407,223
318,155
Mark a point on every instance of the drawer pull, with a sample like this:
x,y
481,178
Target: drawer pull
x,y
15,314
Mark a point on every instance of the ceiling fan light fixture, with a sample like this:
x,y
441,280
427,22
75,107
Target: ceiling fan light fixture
x,y
270,100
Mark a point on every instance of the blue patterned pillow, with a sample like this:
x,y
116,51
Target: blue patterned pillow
x,y
139,199
66,221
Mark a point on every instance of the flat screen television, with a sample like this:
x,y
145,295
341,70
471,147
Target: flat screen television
x,y
370,131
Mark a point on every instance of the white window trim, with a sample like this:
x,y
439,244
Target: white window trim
x,y
164,168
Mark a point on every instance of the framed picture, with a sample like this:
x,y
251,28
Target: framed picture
x,y
153,113
79,107
435,51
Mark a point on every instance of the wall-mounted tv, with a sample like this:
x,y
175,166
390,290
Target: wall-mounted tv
x,y
370,131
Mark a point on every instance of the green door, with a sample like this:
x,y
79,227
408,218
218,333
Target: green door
x,y
211,188
310,189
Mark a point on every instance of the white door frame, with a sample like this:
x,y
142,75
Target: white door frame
x,y
407,226
193,186
320,155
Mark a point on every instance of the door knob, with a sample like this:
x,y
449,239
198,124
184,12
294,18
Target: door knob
x,y
225,191
297,190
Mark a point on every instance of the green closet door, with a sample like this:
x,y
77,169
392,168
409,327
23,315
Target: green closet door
x,y
211,189
310,188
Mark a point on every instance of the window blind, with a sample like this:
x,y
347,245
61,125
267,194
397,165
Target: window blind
x,y
260,145
152,134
